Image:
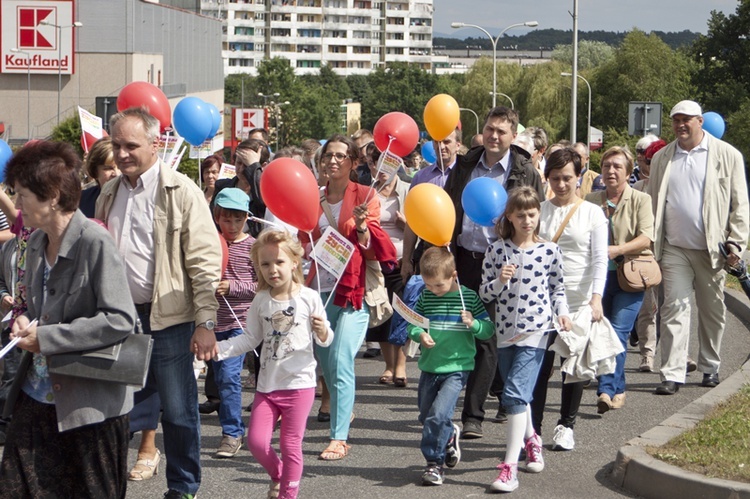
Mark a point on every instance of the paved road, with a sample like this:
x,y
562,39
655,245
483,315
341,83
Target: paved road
x,y
385,461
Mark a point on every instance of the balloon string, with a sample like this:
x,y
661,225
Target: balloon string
x,y
237,319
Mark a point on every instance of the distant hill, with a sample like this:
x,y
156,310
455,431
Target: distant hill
x,y
548,38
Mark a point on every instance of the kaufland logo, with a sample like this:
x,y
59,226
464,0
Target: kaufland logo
x,y
32,34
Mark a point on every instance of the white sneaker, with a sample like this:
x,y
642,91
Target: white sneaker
x,y
563,438
534,459
507,480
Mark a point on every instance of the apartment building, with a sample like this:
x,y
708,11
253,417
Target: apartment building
x,y
351,36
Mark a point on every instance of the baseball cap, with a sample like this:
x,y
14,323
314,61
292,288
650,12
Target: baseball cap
x,y
232,198
686,107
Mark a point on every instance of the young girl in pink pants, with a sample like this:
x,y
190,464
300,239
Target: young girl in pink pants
x,y
287,317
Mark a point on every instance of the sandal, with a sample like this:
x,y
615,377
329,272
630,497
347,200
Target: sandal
x,y
145,468
386,379
400,382
335,451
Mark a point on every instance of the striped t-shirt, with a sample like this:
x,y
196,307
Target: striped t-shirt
x,y
454,348
242,285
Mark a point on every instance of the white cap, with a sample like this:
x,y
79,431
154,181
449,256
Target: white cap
x,y
686,107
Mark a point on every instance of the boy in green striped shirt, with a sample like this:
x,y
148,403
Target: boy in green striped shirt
x,y
457,317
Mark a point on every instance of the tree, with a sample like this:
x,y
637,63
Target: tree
x,y
644,69
722,74
590,54
544,100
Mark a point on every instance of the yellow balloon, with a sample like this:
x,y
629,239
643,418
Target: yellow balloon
x,y
441,116
430,213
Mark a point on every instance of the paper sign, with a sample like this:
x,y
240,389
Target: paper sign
x,y
389,165
203,151
333,251
410,315
90,123
227,171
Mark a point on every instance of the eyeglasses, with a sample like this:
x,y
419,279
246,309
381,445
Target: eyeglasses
x,y
339,157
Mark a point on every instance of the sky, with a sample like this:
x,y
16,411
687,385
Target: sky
x,y
607,15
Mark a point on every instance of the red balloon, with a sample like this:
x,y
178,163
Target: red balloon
x,y
401,128
224,255
290,191
144,94
88,140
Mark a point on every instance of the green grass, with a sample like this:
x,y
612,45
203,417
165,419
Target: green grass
x,y
733,283
718,446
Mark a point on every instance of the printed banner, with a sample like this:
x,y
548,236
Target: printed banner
x,y
333,251
410,315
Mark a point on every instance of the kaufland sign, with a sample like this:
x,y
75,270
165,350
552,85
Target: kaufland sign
x,y
42,33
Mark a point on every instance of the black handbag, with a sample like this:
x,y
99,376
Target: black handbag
x,y
125,362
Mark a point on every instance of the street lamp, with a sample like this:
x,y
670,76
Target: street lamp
x,y
59,29
530,24
512,106
28,90
588,130
472,112
265,97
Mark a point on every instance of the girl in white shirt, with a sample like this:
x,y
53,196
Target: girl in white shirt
x,y
287,317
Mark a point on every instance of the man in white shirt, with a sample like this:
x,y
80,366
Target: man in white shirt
x,y
165,234
699,194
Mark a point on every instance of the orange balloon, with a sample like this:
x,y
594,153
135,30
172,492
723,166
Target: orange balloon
x,y
430,213
441,116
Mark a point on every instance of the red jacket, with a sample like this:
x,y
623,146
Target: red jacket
x,y
351,286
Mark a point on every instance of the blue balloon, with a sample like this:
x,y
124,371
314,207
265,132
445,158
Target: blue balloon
x,y
5,155
428,152
216,123
713,123
484,201
192,120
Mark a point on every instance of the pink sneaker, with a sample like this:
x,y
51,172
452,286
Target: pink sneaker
x,y
507,480
534,458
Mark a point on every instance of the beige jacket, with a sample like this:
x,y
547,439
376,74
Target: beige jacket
x,y
725,203
188,252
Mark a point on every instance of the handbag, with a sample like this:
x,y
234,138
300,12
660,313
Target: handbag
x,y
636,273
376,296
125,362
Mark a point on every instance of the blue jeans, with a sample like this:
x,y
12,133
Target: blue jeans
x,y
227,375
621,308
337,362
519,367
171,375
437,395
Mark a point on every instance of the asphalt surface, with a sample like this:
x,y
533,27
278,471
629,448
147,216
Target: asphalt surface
x,y
385,460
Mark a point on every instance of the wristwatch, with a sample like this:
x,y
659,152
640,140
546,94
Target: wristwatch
x,y
209,324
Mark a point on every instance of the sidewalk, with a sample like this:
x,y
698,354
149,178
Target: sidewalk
x,y
385,461
637,471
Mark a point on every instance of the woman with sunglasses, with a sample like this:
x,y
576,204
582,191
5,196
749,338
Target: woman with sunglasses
x,y
354,212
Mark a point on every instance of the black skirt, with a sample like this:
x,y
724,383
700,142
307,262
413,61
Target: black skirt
x,y
40,462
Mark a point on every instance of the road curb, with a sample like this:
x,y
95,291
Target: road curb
x,y
638,472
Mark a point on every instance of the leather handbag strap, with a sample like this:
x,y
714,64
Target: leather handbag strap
x,y
567,219
327,211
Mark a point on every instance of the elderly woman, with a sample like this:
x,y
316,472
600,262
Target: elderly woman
x,y
392,195
583,240
68,436
631,227
210,168
350,209
100,166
